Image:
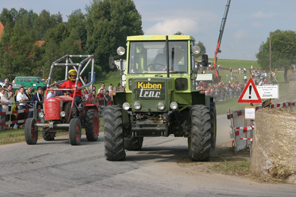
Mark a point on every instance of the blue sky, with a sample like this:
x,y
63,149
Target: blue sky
x,y
248,25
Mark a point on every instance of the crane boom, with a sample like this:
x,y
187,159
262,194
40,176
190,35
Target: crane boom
x,y
222,26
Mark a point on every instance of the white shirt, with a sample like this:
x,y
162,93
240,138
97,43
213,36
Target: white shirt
x,y
100,89
245,77
21,96
49,95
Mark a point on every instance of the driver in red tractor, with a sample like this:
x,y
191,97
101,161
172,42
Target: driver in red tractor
x,y
72,74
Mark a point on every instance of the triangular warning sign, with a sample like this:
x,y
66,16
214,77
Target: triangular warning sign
x,y
250,94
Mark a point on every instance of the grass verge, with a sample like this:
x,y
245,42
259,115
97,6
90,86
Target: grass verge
x,y
17,135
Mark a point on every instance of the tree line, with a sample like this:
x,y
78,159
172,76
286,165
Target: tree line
x,y
99,31
281,50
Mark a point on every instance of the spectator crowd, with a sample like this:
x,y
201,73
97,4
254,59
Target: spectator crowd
x,y
231,88
12,100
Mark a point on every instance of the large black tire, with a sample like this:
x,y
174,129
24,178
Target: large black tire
x,y
31,131
48,136
92,125
75,131
133,143
199,142
213,125
113,131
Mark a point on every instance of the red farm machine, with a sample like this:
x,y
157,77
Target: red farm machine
x,y
62,112
222,26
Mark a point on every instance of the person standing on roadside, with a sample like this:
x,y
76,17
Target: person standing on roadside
x,y
245,79
3,104
21,98
6,82
37,97
9,95
101,88
29,93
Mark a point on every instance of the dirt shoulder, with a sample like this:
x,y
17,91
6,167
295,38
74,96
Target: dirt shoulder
x,y
225,161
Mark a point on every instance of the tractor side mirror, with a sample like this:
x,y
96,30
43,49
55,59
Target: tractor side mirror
x,y
111,62
205,60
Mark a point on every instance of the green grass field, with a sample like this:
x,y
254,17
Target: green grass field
x,y
226,63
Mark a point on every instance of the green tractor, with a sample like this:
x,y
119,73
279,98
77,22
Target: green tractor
x,y
160,98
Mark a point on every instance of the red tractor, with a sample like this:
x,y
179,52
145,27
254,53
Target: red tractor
x,y
65,112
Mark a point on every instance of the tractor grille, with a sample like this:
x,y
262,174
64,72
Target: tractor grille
x,y
149,91
52,109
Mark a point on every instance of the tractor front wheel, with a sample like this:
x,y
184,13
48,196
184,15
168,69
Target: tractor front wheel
x,y
113,130
75,131
199,142
31,131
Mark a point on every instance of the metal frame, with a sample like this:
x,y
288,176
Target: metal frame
x,y
81,68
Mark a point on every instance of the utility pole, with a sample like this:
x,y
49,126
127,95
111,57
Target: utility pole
x,y
270,55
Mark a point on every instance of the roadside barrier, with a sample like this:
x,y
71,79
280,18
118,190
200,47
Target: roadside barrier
x,y
21,111
17,112
242,130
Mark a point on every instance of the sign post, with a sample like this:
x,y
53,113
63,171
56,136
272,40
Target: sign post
x,y
268,91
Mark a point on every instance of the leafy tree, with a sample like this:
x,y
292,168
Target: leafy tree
x,y
59,42
6,18
77,21
20,56
202,49
46,21
283,51
108,23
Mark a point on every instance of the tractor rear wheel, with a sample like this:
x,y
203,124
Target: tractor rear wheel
x,y
75,131
31,131
133,143
92,125
48,136
113,131
199,142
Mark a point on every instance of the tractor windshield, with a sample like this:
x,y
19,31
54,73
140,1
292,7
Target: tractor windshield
x,y
150,57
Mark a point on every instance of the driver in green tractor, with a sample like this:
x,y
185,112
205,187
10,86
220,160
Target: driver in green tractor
x,y
72,74
176,53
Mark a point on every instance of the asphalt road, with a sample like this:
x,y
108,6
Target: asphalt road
x,y
59,169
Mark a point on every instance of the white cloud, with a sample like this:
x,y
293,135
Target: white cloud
x,y
257,25
262,15
185,26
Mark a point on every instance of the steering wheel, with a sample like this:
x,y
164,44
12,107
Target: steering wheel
x,y
157,67
67,91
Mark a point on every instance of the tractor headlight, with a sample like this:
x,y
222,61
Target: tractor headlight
x,y
137,105
120,51
63,114
161,106
126,106
41,114
174,105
